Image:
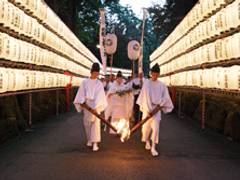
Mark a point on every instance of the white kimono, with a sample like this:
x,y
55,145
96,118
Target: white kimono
x,y
153,93
117,107
91,92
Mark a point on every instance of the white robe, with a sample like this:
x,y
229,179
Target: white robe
x,y
91,92
153,93
117,107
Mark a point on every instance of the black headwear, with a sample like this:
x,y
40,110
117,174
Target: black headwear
x,y
119,74
156,68
95,67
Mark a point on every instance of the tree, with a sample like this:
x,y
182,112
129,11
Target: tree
x,y
166,18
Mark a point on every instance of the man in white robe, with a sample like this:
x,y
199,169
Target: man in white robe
x,y
117,104
92,93
153,93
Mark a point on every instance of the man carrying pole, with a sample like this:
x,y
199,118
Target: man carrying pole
x,y
91,93
153,94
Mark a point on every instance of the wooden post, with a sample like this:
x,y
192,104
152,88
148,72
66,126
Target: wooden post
x,y
133,68
203,113
30,110
29,128
57,102
111,63
179,104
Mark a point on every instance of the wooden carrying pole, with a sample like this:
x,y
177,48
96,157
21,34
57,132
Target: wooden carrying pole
x,y
150,115
85,106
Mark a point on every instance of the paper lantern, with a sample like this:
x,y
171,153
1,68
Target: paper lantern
x,y
235,45
11,86
210,52
110,43
206,78
234,78
189,78
3,12
2,52
134,49
3,80
33,78
218,78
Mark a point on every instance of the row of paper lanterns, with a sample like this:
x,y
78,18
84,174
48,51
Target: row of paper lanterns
x,y
20,51
15,19
225,78
40,10
16,80
219,50
225,19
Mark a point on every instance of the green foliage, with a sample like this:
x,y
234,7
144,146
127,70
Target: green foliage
x,y
83,18
166,18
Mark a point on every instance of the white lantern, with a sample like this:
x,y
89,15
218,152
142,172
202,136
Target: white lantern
x,y
218,50
134,49
211,52
234,78
2,52
110,43
189,78
235,45
3,80
232,15
218,77
33,78
11,86
206,78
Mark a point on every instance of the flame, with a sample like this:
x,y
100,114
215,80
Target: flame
x,y
123,129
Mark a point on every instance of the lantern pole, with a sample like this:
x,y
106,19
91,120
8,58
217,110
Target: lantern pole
x,y
133,68
140,64
111,63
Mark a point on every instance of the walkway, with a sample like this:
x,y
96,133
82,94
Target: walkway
x,y
56,151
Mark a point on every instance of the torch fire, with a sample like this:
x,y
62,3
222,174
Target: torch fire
x,y
123,129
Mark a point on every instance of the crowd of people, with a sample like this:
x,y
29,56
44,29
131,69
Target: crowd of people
x,y
131,98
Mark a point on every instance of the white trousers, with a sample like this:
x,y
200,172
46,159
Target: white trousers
x,y
92,127
150,130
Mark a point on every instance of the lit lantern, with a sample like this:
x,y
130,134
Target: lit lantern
x,y
195,78
6,47
235,45
20,80
206,78
220,22
218,50
11,79
21,22
134,50
2,51
33,75
218,77
232,15
16,20
110,43
210,52
16,50
189,78
234,78
3,80
3,12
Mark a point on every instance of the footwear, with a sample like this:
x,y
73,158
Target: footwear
x,y
154,152
95,147
147,146
89,143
